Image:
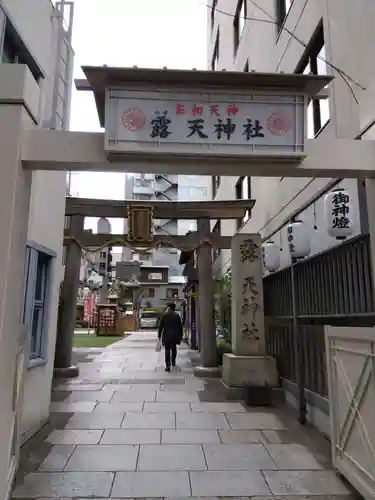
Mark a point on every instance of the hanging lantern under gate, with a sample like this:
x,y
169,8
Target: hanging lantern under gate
x,y
338,213
271,256
298,240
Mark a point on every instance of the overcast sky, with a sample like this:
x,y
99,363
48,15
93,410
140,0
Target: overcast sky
x,y
144,33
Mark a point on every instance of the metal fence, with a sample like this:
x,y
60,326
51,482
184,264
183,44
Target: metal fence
x,y
331,288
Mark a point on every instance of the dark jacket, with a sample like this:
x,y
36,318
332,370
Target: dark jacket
x,y
170,328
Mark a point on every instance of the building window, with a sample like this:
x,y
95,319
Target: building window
x,y
282,10
103,255
172,293
243,192
15,51
37,271
216,252
215,185
63,257
215,57
150,293
313,62
213,9
239,22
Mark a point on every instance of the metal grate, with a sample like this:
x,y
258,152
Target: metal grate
x,y
337,282
334,287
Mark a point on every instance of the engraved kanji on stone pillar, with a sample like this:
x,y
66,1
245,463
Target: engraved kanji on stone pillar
x,y
247,296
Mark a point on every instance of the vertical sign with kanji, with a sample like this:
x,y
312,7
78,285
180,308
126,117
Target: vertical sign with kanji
x,y
247,296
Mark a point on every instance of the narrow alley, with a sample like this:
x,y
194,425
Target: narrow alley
x,y
127,429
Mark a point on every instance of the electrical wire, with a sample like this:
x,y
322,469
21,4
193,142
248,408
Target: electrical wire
x,y
345,77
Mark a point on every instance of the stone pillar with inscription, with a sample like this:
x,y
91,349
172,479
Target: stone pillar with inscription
x,y
248,362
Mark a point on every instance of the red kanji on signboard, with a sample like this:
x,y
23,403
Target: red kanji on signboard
x,y
180,109
197,110
214,110
232,110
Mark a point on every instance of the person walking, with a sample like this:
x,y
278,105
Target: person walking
x,y
170,332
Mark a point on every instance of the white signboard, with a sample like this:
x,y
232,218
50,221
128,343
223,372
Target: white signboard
x,y
256,121
155,276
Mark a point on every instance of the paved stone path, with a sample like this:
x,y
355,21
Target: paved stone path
x,y
127,429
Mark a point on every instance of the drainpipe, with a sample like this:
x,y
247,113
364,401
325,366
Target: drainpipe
x,y
298,350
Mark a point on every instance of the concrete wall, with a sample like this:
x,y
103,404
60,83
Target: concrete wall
x,y
349,38
15,189
47,206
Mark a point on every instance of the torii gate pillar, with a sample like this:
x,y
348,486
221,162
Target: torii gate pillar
x,y
209,362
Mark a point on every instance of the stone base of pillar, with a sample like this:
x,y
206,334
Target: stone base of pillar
x,y
207,372
258,371
70,372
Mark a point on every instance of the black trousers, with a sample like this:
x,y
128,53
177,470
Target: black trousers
x,y
170,353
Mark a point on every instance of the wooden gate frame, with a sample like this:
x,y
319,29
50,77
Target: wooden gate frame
x,y
360,342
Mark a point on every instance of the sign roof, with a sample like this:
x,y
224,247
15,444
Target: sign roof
x,y
99,78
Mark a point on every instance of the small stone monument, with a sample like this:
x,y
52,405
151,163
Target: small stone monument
x,y
248,363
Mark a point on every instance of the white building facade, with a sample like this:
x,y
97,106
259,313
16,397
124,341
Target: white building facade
x,y
296,36
35,45
151,187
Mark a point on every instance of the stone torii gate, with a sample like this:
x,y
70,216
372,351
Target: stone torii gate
x,y
140,217
199,123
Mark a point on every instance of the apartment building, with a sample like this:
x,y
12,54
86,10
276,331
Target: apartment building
x,y
35,47
319,285
302,36
148,187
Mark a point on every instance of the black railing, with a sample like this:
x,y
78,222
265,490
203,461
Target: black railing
x,y
280,343
332,288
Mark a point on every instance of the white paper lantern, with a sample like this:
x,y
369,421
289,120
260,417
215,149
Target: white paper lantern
x,y
338,212
298,239
103,226
271,256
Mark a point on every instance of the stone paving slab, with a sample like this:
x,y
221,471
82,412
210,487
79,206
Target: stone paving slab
x,y
190,437
74,386
256,421
103,458
133,396
176,396
237,457
231,436
82,406
293,456
143,433
150,407
95,421
57,458
151,484
101,395
191,421
233,407
132,406
66,484
149,421
134,436
59,437
228,483
171,457
304,497
323,482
